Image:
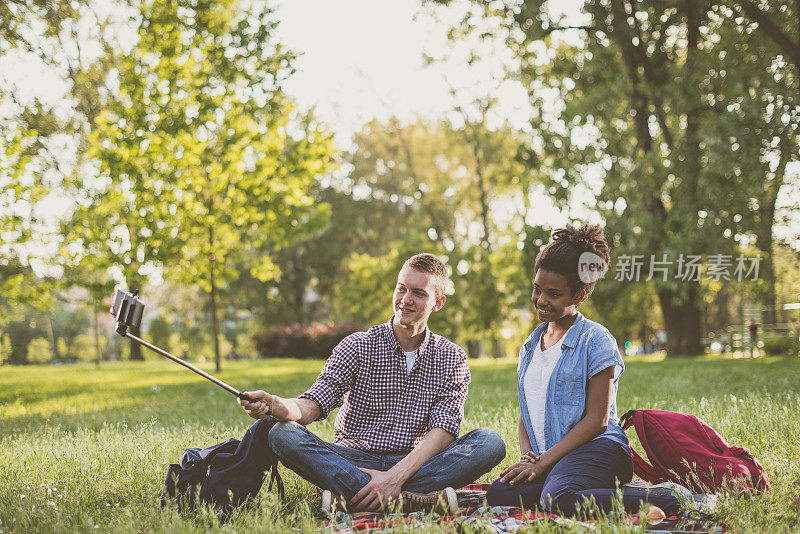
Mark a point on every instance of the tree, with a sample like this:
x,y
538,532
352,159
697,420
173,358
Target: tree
x,y
23,296
437,188
40,138
636,108
202,160
776,21
756,86
20,333
311,269
395,175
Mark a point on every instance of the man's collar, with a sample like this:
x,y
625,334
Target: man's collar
x,y
396,348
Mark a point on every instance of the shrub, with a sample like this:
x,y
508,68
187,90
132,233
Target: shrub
x,y
781,344
314,340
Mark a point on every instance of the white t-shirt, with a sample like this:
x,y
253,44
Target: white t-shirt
x,y
410,357
537,377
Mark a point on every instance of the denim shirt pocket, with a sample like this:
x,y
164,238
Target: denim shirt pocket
x,y
569,392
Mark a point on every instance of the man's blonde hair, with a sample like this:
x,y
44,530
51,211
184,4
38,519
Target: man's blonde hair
x,y
428,263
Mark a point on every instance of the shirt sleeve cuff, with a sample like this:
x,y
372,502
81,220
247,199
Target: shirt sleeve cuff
x,y
606,355
452,426
325,403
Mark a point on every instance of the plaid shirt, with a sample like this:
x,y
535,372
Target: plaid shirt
x,y
385,408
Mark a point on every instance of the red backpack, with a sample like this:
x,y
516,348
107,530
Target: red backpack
x,y
683,448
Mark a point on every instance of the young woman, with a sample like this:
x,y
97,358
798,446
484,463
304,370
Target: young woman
x,y
572,447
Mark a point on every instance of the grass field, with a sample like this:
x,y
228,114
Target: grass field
x,y
85,449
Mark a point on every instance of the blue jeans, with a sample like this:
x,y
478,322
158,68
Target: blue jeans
x,y
336,468
589,472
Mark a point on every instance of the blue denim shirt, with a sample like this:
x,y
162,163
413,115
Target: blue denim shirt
x,y
587,349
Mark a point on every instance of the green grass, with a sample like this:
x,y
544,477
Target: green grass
x,y
85,449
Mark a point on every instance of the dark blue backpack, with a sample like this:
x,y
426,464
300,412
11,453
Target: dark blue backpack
x,y
224,475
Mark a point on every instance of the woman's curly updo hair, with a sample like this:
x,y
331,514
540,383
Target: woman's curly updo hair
x,y
561,255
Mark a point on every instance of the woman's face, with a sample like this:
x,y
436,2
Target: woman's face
x,y
552,297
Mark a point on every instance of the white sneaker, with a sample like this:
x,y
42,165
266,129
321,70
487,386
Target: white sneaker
x,y
332,503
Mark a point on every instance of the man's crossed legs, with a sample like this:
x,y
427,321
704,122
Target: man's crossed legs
x,y
336,468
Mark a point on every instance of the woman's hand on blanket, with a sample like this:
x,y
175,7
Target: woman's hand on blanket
x,y
529,456
525,471
383,489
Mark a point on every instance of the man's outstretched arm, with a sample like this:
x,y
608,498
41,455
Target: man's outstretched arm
x,y
386,486
325,394
303,411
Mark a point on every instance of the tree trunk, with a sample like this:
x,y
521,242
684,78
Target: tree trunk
x,y
723,302
298,287
52,337
19,337
644,337
765,235
682,321
482,192
497,350
97,336
212,300
764,238
683,318
473,348
767,273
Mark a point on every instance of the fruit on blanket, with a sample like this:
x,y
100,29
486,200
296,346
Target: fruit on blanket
x,y
655,515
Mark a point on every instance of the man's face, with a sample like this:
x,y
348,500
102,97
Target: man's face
x,y
415,297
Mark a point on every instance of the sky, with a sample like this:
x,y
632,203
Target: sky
x,y
363,59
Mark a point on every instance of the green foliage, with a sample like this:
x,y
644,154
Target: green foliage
x,y
46,332
690,137
629,313
66,324
21,190
311,267
315,340
38,138
434,187
775,343
366,295
40,351
90,446
160,331
20,17
203,164
20,334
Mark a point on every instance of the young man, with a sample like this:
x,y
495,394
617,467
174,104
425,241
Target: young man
x,y
402,390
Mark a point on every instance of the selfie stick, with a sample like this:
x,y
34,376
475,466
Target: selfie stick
x,y
127,310
188,365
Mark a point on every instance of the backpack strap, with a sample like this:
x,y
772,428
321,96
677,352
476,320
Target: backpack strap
x,y
641,466
276,478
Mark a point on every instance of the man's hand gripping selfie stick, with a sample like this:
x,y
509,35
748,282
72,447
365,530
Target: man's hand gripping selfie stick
x,y
128,311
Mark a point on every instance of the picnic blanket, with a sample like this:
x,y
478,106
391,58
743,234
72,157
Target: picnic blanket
x,y
504,519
